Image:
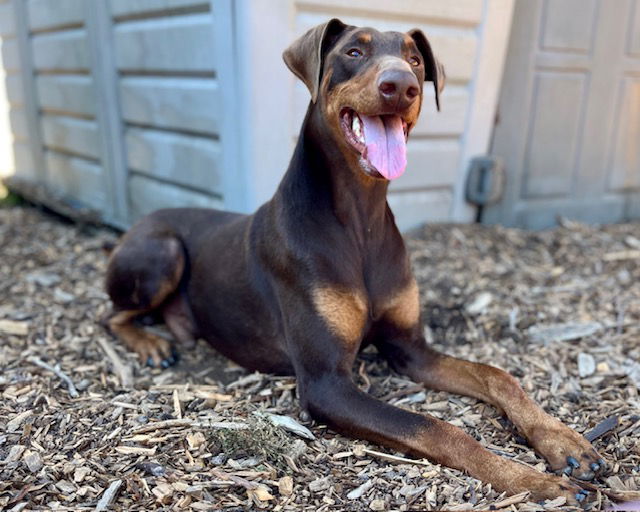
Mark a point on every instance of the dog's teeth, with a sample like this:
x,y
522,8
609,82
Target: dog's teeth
x,y
356,126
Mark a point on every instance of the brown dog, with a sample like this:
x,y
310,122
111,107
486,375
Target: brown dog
x,y
321,271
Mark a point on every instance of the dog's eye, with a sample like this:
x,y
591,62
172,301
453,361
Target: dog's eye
x,y
414,61
354,52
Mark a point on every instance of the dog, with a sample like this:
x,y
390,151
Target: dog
x,y
321,271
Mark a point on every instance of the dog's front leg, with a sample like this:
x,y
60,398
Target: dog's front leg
x,y
565,449
323,349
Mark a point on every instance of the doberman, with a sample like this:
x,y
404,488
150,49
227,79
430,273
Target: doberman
x,y
321,271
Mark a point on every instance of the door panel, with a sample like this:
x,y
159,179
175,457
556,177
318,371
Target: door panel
x,y
568,25
625,157
554,133
633,32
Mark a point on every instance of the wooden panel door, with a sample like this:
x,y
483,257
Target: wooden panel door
x,y
569,114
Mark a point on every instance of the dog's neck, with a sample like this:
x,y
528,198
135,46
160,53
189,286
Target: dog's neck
x,y
326,174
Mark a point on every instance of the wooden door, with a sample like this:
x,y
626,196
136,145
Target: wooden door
x,y
568,124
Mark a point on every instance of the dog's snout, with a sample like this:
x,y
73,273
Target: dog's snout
x,y
398,88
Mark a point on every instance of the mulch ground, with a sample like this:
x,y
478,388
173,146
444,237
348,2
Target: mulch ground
x,y
560,309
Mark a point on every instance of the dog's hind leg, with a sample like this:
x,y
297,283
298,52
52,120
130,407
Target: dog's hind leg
x,y
151,348
144,272
179,319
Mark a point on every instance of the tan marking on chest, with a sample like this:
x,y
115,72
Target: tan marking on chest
x,y
344,311
403,309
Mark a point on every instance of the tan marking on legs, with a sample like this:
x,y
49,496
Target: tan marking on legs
x,y
145,344
403,310
452,447
548,436
344,311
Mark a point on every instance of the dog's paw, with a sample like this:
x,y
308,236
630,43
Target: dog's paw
x,y
516,478
554,487
155,351
567,451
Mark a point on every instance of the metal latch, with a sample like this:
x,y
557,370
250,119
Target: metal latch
x,y
485,182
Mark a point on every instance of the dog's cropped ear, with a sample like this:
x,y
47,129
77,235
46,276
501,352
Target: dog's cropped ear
x,y
433,70
305,56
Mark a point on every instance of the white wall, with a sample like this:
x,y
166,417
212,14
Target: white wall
x,y
6,138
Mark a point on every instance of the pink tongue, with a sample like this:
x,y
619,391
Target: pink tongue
x,y
386,145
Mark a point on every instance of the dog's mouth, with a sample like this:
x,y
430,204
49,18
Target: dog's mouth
x,y
380,140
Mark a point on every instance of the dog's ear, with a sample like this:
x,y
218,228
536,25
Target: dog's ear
x,y
305,56
433,70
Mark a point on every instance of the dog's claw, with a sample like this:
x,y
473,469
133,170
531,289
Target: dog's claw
x,y
567,471
594,467
573,462
150,362
582,495
165,363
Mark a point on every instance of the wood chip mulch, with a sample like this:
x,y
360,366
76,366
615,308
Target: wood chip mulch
x,y
560,309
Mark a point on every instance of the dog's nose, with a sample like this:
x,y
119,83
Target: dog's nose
x,y
398,88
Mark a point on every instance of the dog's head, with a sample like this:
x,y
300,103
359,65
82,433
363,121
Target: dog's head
x,y
368,85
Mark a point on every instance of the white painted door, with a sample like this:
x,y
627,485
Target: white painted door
x,y
569,113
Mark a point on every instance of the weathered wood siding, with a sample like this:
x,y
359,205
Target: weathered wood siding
x,y
116,103
170,106
56,38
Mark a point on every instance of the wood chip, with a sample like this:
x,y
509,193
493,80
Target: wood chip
x,y
586,365
15,453
360,491
512,500
14,328
33,461
14,423
55,369
396,458
622,255
285,485
289,424
562,332
195,440
109,496
378,505
602,428
177,410
135,450
122,370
